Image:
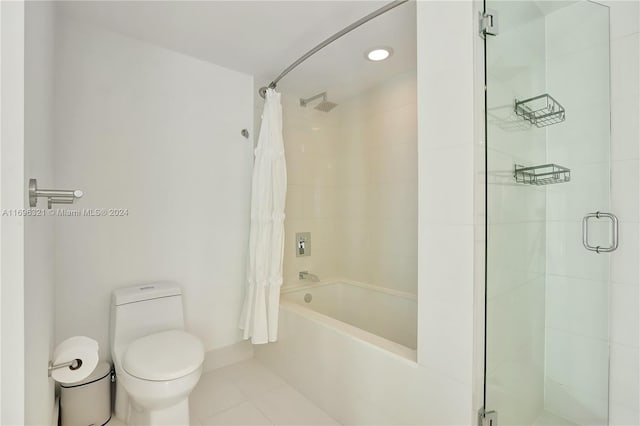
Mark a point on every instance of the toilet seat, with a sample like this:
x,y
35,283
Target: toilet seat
x,y
163,356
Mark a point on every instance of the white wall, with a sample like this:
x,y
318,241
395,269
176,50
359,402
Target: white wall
x,y
377,186
352,183
12,191
39,231
158,133
624,394
447,118
310,142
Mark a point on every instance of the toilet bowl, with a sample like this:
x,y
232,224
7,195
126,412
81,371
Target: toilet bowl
x,y
157,362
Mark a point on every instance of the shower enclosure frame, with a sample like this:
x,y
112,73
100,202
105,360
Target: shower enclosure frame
x,y
488,27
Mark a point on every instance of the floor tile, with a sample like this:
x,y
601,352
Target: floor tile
x,y
285,406
251,378
213,395
245,414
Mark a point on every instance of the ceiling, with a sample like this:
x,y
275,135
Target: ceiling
x,y
262,38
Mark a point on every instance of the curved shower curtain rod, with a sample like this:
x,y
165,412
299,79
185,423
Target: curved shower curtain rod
x,y
263,90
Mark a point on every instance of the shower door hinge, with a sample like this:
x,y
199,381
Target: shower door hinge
x,y
488,23
487,418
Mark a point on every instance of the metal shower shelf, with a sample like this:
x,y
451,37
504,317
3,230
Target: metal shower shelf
x,y
544,174
541,111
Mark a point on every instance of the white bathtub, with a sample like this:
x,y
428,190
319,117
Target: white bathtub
x,y
351,351
386,313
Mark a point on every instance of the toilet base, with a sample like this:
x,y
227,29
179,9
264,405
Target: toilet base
x,y
174,415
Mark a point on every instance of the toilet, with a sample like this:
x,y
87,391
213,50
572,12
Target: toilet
x,y
157,362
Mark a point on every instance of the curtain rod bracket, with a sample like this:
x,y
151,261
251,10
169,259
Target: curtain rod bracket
x,y
263,90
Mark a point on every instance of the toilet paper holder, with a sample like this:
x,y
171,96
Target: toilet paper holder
x,y
72,365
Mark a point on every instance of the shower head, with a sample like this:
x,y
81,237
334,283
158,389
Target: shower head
x,y
324,105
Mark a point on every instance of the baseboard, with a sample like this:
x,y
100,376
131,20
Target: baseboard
x,y
227,355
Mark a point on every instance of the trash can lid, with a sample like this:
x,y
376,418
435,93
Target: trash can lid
x,y
101,371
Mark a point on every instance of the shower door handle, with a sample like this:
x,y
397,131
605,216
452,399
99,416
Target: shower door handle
x,y
614,232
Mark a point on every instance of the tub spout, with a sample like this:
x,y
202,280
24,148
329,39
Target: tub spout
x,y
306,275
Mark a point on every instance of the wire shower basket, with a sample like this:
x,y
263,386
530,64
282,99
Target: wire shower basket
x,y
544,174
541,111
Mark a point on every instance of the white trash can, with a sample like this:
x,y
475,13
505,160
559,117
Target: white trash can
x,y
87,402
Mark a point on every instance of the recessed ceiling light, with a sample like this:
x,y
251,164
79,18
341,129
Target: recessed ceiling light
x,y
378,53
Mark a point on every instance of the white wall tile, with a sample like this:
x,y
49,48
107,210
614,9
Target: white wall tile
x,y
436,203
514,387
624,407
625,316
574,377
444,328
567,256
625,190
624,261
625,17
577,27
625,67
353,185
619,415
446,151
625,374
625,128
577,306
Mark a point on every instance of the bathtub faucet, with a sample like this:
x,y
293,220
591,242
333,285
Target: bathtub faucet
x,y
306,275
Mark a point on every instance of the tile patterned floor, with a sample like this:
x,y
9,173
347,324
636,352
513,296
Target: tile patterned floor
x,y
248,394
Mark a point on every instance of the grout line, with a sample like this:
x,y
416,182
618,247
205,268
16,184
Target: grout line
x,y
624,345
202,420
262,412
559,329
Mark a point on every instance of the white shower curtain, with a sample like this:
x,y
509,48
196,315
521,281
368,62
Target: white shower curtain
x,y
259,318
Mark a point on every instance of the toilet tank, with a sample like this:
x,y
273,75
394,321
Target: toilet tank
x,y
145,309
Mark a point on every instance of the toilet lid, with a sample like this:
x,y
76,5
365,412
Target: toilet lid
x,y
164,356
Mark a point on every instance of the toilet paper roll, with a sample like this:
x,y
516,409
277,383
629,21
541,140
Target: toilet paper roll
x,y
77,347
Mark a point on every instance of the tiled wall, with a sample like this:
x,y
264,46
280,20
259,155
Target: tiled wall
x,y
576,294
352,183
516,245
624,397
310,139
447,118
377,210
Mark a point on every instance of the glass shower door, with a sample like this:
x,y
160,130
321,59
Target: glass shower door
x,y
547,78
